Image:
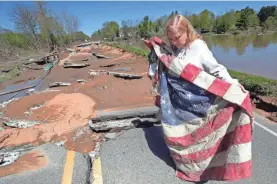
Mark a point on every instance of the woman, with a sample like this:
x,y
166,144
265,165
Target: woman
x,y
206,120
189,44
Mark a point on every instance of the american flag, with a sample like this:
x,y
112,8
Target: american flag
x,y
207,122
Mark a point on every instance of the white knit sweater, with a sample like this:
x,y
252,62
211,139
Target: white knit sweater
x,y
201,56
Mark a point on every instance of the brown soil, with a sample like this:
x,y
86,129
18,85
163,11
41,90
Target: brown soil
x,y
68,110
63,114
266,106
31,161
17,108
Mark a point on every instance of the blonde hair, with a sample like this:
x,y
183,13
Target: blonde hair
x,y
182,24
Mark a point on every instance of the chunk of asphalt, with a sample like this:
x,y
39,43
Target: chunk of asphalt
x,y
110,136
22,123
8,158
10,155
141,112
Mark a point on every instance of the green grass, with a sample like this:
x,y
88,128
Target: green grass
x,y
15,40
255,84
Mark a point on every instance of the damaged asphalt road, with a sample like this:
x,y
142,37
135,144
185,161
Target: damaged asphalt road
x,y
60,167
141,156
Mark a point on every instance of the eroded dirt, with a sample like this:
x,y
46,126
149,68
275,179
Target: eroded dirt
x,y
67,110
63,113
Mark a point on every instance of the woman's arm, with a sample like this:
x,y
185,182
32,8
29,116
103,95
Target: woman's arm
x,y
211,66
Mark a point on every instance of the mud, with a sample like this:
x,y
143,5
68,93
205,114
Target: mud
x,y
82,141
66,112
31,161
17,108
63,114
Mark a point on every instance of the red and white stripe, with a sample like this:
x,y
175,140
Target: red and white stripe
x,y
216,148
230,92
222,143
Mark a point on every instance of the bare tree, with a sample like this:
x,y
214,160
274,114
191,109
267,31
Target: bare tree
x,y
25,21
51,29
70,23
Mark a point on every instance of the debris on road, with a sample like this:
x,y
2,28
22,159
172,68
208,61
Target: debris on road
x,y
60,143
75,65
142,112
95,153
123,124
48,58
22,123
116,74
81,81
88,43
16,90
100,56
62,117
30,161
94,73
10,155
58,84
111,136
111,65
125,75
31,109
8,158
75,58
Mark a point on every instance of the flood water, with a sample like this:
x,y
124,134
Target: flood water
x,y
253,54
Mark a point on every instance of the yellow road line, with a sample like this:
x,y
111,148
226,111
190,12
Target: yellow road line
x,y
97,172
68,168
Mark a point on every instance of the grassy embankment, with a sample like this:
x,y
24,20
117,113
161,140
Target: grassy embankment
x,y
255,84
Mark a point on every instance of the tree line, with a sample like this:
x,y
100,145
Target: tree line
x,y
38,26
233,22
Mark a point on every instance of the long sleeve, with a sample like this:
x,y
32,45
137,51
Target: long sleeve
x,y
211,66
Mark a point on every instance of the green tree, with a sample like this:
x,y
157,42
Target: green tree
x,y
146,27
80,36
110,30
248,18
267,11
271,23
206,19
194,20
225,22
